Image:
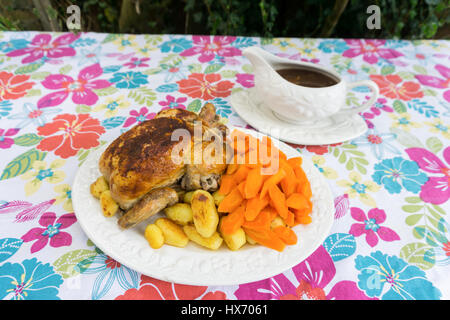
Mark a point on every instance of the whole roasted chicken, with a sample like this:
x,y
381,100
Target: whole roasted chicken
x,y
146,166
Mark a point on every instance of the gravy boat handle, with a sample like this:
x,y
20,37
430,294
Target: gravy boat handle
x,y
375,92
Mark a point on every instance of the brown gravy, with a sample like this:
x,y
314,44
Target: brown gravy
x,y
307,78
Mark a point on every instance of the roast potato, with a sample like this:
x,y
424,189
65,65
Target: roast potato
x,y
235,240
154,236
188,196
218,198
213,242
109,206
98,186
173,233
204,213
180,213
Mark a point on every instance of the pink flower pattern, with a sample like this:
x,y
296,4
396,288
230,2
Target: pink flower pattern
x,y
313,276
437,189
80,89
370,226
371,50
172,103
207,49
42,47
139,117
435,82
51,231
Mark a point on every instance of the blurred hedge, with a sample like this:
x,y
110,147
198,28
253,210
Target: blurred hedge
x,y
406,19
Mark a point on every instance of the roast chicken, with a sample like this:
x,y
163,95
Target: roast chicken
x,y
143,174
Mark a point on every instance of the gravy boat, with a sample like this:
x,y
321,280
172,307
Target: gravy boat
x,y
299,104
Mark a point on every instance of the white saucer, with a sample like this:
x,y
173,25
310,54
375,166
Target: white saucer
x,y
335,129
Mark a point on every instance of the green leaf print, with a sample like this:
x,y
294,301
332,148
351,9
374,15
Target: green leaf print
x,y
347,153
22,163
66,265
419,254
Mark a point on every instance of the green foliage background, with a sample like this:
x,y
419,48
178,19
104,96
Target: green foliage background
x,y
406,19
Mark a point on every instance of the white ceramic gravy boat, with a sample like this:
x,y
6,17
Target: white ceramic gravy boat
x,y
298,104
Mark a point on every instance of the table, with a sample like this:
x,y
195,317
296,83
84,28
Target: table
x,y
64,95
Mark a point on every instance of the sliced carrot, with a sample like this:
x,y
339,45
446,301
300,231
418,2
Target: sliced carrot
x,y
286,234
279,200
254,207
300,174
295,162
305,189
262,221
273,180
241,188
289,182
290,219
301,212
231,201
297,201
266,238
227,183
304,219
233,221
232,167
253,183
241,174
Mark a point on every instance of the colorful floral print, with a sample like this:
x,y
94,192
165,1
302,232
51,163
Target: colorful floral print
x,y
32,115
371,50
42,46
81,89
356,188
64,95
68,133
41,172
129,80
29,280
370,226
173,103
13,86
6,140
391,86
205,86
435,82
139,116
437,189
313,277
208,48
154,289
391,278
51,232
397,173
112,105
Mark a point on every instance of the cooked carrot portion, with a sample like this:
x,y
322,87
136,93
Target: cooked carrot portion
x,y
241,188
289,182
233,221
266,238
254,207
279,200
290,219
231,201
286,234
295,162
232,167
262,221
273,180
262,185
297,201
241,174
227,183
305,189
304,220
253,183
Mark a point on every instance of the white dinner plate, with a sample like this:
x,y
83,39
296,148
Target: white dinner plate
x,y
194,265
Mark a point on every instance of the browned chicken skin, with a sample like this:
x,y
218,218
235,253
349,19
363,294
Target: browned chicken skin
x,y
141,169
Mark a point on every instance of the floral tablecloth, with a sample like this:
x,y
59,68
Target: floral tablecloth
x,y
63,95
